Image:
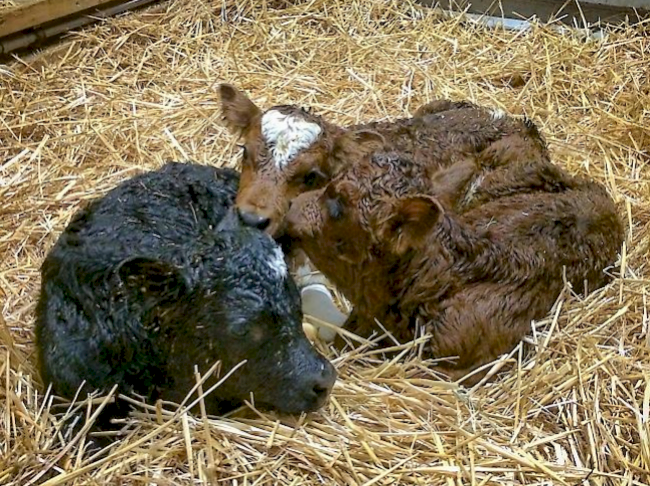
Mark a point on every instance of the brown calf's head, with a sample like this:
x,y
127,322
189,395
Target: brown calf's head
x,y
377,208
287,151
328,226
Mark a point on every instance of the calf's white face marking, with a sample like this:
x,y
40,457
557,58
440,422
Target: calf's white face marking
x,y
277,264
288,135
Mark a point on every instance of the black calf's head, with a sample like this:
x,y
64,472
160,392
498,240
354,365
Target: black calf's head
x,y
238,303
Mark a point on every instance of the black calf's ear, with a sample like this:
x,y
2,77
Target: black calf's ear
x,y
237,109
408,222
230,222
152,277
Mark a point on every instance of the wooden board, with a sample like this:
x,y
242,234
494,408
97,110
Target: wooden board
x,y
567,11
6,5
50,30
33,13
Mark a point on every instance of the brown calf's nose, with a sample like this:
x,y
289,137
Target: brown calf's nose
x,y
254,220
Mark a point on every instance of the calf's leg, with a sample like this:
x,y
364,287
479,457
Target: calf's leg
x,y
484,321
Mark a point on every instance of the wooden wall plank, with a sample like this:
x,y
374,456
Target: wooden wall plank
x,y
546,10
7,5
40,12
51,30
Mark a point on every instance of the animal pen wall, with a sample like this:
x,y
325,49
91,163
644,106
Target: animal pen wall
x,y
571,405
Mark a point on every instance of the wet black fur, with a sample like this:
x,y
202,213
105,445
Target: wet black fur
x,y
159,276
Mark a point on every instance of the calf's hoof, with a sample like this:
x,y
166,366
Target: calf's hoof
x,y
317,301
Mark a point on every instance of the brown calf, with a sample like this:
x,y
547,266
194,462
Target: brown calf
x,y
288,151
472,271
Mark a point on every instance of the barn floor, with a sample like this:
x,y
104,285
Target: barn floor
x,y
137,90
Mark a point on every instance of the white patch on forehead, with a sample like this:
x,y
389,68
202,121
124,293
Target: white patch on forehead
x,y
498,113
288,135
277,264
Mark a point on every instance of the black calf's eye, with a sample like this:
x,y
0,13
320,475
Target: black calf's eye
x,y
239,327
313,179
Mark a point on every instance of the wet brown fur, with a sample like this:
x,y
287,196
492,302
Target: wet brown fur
x,y
470,254
440,133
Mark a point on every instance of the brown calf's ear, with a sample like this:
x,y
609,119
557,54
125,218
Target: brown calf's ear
x,y
409,222
355,144
368,140
238,110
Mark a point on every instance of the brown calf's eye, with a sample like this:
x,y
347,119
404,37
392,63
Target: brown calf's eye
x,y
313,179
334,208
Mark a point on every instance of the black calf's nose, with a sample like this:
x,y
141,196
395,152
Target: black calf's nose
x,y
324,381
254,220
321,391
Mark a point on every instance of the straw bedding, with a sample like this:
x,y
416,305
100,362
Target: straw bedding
x,y
570,407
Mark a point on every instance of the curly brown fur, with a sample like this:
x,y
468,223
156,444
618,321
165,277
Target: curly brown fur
x,y
474,275
440,134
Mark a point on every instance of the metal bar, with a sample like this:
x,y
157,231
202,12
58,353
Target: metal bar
x,y
567,11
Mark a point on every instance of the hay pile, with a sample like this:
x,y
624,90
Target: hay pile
x,y
140,89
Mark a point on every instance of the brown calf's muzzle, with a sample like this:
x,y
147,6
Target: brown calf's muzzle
x,y
262,209
254,219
